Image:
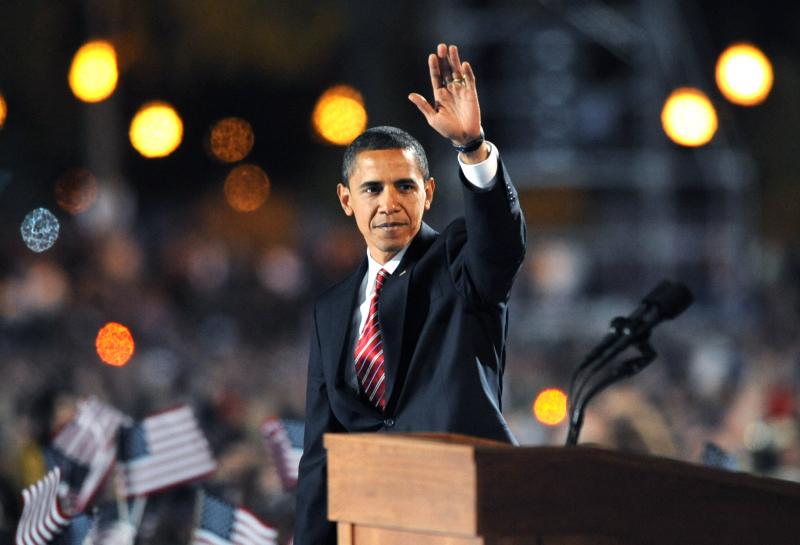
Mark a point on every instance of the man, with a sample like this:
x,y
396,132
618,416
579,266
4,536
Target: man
x,y
415,339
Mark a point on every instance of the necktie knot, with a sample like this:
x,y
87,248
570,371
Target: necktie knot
x,y
380,278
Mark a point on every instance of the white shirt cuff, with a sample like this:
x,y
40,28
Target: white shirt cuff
x,y
481,174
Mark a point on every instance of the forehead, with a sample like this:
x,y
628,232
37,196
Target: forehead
x,y
385,165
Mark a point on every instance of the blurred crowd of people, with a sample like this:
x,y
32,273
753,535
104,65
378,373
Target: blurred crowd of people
x,y
219,303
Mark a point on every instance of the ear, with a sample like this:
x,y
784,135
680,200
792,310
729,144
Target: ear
x,y
430,187
344,198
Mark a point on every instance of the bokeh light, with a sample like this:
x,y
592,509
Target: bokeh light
x,y
3,110
93,74
114,344
689,118
37,289
550,406
40,230
246,188
744,74
339,115
156,130
231,139
76,191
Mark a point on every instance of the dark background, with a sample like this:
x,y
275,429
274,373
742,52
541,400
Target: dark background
x,y
218,301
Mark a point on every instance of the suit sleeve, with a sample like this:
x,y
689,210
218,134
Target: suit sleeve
x,y
311,523
494,247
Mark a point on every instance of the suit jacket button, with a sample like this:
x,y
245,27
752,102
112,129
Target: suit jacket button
x,y
388,422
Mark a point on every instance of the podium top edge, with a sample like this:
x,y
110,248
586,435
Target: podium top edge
x,y
419,439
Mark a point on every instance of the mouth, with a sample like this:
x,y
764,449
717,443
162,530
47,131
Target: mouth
x,y
391,225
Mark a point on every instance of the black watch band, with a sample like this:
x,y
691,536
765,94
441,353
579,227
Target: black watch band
x,y
471,146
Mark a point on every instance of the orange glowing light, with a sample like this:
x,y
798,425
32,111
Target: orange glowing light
x,y
93,74
744,74
231,139
76,191
246,188
688,117
339,115
3,110
550,407
114,344
156,130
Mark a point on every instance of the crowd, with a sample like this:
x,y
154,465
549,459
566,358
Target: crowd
x,y
219,309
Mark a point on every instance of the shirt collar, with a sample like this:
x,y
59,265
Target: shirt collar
x,y
390,266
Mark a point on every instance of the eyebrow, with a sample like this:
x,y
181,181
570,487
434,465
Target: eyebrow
x,y
373,183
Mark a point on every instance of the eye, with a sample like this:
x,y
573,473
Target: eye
x,y
407,186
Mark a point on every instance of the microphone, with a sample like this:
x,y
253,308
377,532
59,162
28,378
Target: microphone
x,y
664,302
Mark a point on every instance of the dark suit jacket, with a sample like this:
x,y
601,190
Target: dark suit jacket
x,y
444,319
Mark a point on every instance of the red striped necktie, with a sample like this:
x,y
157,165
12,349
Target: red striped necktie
x,y
369,351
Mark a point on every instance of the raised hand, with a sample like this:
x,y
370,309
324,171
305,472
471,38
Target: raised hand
x,y
455,114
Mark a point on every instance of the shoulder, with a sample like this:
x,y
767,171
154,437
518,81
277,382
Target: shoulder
x,y
334,296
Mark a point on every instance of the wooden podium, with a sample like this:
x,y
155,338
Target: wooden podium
x,y
431,489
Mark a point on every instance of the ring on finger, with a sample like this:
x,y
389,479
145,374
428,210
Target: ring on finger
x,y
459,81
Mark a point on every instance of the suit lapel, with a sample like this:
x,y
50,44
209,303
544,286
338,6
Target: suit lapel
x,y
392,306
335,325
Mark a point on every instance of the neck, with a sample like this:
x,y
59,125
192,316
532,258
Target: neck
x,y
382,257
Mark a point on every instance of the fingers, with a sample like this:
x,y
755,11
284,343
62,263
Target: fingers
x,y
469,75
436,74
455,62
445,70
445,67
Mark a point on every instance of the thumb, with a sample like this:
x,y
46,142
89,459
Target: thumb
x,y
420,102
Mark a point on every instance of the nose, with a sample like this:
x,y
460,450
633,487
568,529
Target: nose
x,y
389,200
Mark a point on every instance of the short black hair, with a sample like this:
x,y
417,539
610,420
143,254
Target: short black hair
x,y
383,137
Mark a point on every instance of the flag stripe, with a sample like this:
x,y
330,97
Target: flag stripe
x,y
174,451
204,536
223,524
42,518
284,438
247,523
86,447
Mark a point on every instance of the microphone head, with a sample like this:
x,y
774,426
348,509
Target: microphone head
x,y
671,299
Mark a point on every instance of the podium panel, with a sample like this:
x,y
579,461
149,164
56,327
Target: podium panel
x,y
437,489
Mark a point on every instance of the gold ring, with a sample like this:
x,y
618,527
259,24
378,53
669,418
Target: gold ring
x,y
459,81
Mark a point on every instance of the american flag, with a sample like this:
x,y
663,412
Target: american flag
x,y
223,524
162,451
284,438
77,532
42,519
85,450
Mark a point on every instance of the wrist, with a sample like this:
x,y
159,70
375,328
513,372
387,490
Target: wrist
x,y
476,156
470,146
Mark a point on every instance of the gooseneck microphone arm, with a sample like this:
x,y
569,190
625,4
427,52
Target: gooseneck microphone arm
x,y
664,302
626,369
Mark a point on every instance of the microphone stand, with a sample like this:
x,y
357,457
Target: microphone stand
x,y
595,362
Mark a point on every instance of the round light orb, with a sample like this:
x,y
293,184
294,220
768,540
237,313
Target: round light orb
x,y
744,74
156,130
231,139
114,344
3,110
688,117
93,74
76,191
339,115
550,407
40,230
246,188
